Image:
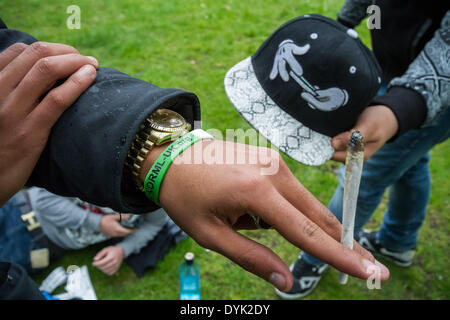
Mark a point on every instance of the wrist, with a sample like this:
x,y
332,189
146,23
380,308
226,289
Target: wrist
x,y
155,175
389,122
383,122
150,160
408,106
120,249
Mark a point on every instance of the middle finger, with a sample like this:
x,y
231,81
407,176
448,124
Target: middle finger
x,y
43,75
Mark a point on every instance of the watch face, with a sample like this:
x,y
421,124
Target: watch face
x,y
167,120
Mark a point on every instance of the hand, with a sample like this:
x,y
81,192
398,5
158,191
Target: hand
x,y
28,110
109,259
220,198
110,226
377,124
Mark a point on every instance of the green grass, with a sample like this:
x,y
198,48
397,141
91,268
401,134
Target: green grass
x,y
191,45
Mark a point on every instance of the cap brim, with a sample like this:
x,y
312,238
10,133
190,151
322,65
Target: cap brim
x,y
283,131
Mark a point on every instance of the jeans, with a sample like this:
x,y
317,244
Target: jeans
x,y
401,166
16,242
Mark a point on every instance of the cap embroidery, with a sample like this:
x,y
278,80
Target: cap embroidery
x,y
324,100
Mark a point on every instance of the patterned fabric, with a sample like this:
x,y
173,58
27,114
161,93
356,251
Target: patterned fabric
x,y
283,131
429,74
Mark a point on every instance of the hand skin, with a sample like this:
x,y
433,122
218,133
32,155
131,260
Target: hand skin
x,y
220,197
110,226
28,110
109,259
377,124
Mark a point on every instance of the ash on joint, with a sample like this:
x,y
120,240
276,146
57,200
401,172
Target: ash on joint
x,y
356,141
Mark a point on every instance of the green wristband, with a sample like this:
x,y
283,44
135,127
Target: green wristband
x,y
157,172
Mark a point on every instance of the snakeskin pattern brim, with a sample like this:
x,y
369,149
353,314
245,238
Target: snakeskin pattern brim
x,y
283,131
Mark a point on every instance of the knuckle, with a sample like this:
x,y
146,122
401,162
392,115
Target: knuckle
x,y
253,183
270,158
310,229
18,47
21,137
247,261
56,99
39,48
274,155
330,221
77,81
45,66
278,159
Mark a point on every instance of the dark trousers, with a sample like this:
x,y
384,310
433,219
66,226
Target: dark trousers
x,y
16,284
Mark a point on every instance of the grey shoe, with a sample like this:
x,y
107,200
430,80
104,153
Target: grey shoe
x,y
368,240
306,277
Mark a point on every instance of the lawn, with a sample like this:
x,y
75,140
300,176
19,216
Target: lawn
x,y
191,45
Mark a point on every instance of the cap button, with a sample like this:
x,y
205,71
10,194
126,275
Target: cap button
x,y
352,33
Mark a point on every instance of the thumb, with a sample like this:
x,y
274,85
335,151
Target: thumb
x,y
339,142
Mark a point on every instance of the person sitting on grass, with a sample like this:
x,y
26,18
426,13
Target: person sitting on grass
x,y
52,224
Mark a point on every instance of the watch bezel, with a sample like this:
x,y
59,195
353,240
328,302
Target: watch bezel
x,y
155,124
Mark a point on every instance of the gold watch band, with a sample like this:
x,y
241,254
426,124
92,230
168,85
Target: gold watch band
x,y
138,152
157,129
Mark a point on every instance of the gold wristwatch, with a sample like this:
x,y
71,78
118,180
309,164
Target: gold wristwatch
x,y
160,127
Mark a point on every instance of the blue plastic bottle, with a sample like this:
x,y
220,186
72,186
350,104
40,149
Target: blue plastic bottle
x,y
189,278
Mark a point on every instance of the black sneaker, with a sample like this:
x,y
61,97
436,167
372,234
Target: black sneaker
x,y
306,277
368,239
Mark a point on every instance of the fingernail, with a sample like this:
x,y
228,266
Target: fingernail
x,y
384,270
93,60
277,280
370,267
87,70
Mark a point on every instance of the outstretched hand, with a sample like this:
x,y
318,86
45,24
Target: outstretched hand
x,y
211,201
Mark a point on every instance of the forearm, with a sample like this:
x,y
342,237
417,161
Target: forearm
x,y
146,232
86,151
407,105
420,95
60,211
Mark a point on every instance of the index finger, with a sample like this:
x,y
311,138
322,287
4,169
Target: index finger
x,y
16,70
307,235
339,156
11,53
304,201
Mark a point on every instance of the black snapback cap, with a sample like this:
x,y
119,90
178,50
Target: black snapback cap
x,y
309,81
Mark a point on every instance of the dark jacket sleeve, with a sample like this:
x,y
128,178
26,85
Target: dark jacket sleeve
x,y
86,151
421,94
